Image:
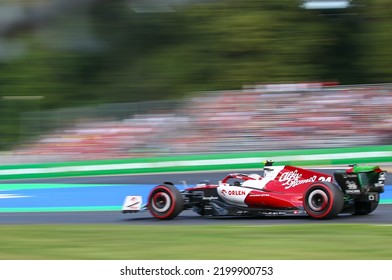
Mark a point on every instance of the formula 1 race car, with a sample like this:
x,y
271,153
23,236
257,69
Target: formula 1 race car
x,y
282,190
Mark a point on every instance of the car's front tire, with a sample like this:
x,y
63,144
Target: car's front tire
x,y
165,202
323,200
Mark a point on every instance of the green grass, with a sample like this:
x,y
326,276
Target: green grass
x,y
136,242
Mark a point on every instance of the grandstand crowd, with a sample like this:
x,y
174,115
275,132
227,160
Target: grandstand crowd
x,y
252,119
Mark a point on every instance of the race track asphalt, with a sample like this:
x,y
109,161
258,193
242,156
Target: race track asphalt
x,y
382,215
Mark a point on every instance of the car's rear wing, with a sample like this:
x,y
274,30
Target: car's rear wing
x,y
357,181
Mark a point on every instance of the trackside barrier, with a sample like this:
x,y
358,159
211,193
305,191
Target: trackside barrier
x,y
213,162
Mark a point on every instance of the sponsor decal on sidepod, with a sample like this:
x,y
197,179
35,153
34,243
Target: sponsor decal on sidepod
x,y
294,178
233,192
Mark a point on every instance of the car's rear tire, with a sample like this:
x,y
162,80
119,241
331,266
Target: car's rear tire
x,y
323,200
165,202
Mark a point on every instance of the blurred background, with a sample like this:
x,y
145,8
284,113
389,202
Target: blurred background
x,y
98,79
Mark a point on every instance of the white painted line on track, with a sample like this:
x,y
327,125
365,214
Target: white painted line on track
x,y
184,163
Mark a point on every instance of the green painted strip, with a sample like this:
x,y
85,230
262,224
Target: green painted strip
x,y
60,209
249,160
35,186
387,148
86,208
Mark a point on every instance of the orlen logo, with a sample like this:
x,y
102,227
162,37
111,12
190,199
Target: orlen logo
x,y
233,192
294,178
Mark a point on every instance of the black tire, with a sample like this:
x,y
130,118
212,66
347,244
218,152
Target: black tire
x,y
165,202
323,200
364,208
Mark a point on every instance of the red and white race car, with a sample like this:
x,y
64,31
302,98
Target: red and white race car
x,y
282,190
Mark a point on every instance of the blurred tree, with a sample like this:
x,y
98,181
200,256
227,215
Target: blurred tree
x,y
376,41
105,51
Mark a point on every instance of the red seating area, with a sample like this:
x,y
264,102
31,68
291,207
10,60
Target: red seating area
x,y
228,121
